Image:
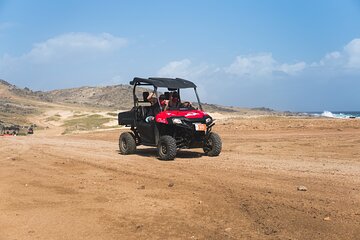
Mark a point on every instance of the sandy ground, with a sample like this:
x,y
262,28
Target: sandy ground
x,y
80,187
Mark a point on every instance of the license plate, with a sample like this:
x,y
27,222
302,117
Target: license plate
x,y
200,127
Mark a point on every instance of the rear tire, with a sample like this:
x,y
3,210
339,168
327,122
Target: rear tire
x,y
127,143
213,145
167,148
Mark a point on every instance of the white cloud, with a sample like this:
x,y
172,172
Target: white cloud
x,y
352,51
333,55
65,60
251,65
175,68
330,59
292,69
64,49
261,65
182,69
347,59
72,44
264,65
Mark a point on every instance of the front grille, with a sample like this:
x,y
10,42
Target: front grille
x,y
194,120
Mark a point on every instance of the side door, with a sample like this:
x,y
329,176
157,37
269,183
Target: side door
x,y
145,129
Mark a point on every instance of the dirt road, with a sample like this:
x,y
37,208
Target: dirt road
x,y
80,187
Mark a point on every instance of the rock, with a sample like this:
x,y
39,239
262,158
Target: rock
x,y
171,184
228,229
270,231
327,219
141,187
302,188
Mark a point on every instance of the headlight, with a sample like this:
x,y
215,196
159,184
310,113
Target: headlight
x,y
208,120
177,121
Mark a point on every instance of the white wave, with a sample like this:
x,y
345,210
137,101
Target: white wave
x,y
328,114
336,115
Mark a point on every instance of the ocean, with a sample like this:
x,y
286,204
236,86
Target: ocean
x,y
341,114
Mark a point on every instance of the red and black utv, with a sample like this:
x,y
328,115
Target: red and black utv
x,y
175,126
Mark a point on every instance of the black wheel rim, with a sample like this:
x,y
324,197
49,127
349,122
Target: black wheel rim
x,y
163,149
209,144
123,144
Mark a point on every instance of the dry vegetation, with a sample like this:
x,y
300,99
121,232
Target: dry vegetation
x,y
85,123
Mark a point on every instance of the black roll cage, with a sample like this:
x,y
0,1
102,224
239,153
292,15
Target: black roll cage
x,y
153,82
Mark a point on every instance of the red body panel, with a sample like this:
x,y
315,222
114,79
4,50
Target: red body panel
x,y
163,116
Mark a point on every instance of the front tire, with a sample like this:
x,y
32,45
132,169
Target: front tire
x,y
213,145
127,143
167,148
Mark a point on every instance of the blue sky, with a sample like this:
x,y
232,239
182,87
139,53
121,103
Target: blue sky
x,y
286,55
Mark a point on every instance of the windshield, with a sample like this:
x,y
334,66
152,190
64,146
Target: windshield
x,y
178,99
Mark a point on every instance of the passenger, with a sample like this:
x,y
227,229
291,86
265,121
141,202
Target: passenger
x,y
152,98
173,101
154,109
163,101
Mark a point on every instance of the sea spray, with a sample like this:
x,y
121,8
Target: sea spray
x,y
340,115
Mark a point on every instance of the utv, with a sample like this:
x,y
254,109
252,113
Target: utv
x,y
175,126
11,130
30,130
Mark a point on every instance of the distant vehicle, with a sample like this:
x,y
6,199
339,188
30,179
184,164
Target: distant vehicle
x,y
11,130
8,129
167,127
30,130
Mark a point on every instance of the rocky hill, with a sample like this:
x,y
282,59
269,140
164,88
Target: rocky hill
x,y
111,97
114,97
17,103
13,108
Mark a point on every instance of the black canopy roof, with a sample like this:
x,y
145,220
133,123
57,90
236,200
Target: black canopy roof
x,y
165,82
